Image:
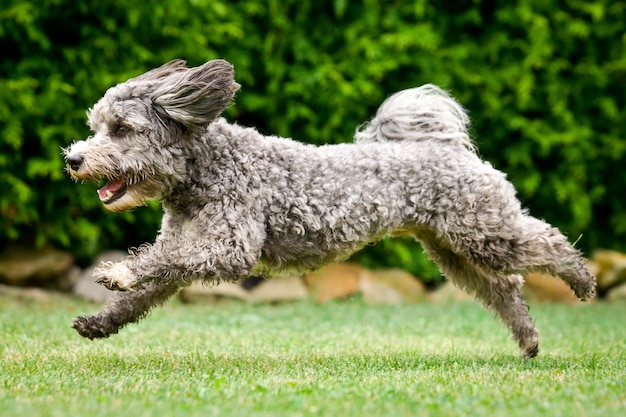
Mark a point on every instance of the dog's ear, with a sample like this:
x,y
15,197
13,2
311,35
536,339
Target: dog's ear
x,y
165,70
196,96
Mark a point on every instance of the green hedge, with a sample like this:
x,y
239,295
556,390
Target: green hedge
x,y
544,81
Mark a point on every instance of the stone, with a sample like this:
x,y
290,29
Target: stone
x,y
68,281
448,293
203,293
617,293
611,268
547,288
279,290
86,287
334,281
23,265
390,286
36,295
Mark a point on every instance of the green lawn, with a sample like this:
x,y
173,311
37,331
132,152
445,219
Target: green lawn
x,y
303,359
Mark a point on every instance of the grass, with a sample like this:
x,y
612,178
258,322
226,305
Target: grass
x,y
303,359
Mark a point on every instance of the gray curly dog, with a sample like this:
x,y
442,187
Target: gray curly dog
x,y
238,203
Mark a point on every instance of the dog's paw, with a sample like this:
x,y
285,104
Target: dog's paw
x,y
585,290
93,327
586,294
530,351
115,277
529,343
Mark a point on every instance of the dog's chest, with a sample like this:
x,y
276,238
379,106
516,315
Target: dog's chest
x,y
189,228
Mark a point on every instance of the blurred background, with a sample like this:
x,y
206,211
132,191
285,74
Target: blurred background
x,y
544,82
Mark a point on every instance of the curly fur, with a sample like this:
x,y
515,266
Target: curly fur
x,y
238,203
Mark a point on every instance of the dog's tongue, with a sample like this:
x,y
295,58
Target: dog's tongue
x,y
109,189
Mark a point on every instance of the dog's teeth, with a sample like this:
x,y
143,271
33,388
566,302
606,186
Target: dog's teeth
x,y
109,194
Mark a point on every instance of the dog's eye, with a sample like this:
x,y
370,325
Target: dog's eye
x,y
121,130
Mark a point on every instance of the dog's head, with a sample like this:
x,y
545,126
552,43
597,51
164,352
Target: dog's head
x,y
141,129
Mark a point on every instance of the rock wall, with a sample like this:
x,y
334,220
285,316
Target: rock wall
x,y
50,269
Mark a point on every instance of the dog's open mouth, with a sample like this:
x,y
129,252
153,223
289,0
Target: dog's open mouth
x,y
112,190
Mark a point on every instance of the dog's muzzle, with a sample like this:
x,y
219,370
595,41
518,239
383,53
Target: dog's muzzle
x,y
75,161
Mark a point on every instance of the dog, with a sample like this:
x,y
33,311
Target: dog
x,y
238,203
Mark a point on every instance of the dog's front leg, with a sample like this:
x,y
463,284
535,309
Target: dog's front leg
x,y
115,276
181,261
160,261
124,308
150,263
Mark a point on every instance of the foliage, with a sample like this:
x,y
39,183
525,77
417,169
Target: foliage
x,y
544,81
304,359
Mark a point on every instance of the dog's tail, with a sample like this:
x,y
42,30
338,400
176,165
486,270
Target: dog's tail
x,y
417,114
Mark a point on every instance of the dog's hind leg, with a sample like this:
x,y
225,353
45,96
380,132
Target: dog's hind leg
x,y
544,248
503,294
124,308
532,245
500,293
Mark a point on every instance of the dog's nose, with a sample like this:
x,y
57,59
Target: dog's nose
x,y
75,161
